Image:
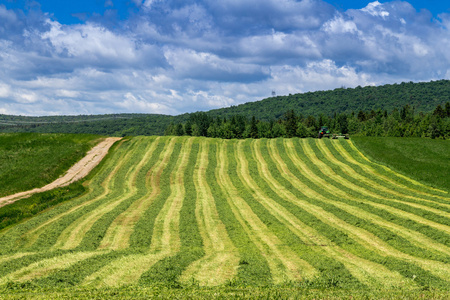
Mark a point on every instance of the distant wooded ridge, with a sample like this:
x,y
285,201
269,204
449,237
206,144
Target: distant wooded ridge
x,y
421,97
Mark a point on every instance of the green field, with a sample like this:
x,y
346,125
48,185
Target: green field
x,y
33,160
427,160
198,217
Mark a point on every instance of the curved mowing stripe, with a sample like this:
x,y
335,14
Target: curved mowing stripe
x,y
118,234
365,271
351,172
46,267
388,208
5,258
74,234
308,217
221,261
284,264
321,182
302,267
363,237
165,239
34,233
415,237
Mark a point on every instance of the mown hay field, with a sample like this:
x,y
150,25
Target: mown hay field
x,y
182,211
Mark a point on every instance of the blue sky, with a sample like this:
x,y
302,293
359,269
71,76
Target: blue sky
x,y
176,56
70,12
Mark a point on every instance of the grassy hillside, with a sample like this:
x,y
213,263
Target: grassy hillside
x,y
33,160
278,217
425,160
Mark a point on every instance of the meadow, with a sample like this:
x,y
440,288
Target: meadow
x,y
427,160
197,217
29,160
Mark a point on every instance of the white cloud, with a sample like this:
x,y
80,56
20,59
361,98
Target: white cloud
x,y
207,66
338,26
89,40
5,90
173,56
138,103
376,9
320,75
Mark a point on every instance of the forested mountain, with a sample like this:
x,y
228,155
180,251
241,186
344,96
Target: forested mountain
x,y
420,98
402,122
423,97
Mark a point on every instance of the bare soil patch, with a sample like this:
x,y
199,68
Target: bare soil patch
x,y
78,171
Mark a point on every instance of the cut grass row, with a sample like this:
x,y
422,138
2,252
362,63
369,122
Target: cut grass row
x,y
180,211
221,260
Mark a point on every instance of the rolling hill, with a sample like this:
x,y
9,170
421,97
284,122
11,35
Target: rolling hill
x,y
423,97
180,212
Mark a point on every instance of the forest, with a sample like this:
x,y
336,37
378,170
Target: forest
x,y
388,110
404,122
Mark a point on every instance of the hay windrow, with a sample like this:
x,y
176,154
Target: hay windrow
x,y
185,211
221,261
165,239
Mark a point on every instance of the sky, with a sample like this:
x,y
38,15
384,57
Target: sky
x,y
177,56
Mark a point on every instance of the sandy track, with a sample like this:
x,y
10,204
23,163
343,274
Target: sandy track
x,y
76,172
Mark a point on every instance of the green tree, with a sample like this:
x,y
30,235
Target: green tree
x,y
447,109
188,128
440,112
179,131
253,129
362,116
302,131
265,129
195,130
290,121
278,130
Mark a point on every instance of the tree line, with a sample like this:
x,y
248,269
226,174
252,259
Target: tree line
x,y
403,122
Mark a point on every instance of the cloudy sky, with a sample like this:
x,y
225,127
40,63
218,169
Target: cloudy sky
x,y
175,56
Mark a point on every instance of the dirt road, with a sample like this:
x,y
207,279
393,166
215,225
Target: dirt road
x,y
76,172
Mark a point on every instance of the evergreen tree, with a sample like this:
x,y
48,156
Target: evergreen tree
x,y
253,129
447,109
290,123
179,131
440,112
188,128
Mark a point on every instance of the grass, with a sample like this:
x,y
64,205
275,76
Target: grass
x,y
425,160
220,263
176,216
29,207
30,160
28,291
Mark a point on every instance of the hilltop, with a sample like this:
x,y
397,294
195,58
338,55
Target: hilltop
x,y
423,97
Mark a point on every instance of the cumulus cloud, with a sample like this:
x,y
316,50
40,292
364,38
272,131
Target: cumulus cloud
x,y
376,9
173,56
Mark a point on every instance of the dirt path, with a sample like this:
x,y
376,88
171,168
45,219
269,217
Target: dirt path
x,y
76,172
165,239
